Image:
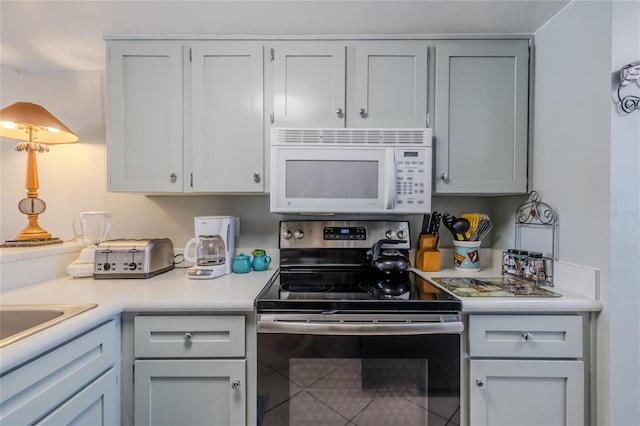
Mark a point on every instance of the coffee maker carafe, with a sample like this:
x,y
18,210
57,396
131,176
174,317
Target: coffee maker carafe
x,y
212,249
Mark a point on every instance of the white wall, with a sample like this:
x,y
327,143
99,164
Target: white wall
x,y
72,176
624,291
571,128
586,164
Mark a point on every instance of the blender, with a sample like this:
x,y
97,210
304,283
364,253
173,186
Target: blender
x,y
94,228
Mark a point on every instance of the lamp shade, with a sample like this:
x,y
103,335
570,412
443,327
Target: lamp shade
x,y
20,118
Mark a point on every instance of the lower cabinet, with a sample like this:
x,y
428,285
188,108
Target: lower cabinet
x,y
526,370
190,392
76,383
189,370
96,404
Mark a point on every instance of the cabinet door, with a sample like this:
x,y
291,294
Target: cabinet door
x,y
527,393
145,132
190,392
390,85
97,404
309,84
481,113
227,105
30,392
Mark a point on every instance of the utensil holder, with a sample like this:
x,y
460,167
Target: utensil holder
x,y
428,254
466,255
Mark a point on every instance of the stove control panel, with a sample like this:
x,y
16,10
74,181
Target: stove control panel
x,y
342,234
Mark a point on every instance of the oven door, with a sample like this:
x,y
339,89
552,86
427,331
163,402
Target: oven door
x,y
391,371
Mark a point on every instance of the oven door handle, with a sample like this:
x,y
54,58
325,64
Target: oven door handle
x,y
359,329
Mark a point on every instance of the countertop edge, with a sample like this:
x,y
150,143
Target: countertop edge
x,y
568,302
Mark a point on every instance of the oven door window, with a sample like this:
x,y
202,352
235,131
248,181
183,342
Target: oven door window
x,y
361,380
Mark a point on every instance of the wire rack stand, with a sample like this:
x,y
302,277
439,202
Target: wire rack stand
x,y
532,266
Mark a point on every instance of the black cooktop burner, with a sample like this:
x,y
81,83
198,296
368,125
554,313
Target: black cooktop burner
x,y
387,288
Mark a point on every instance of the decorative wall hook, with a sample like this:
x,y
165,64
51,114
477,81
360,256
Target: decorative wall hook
x,y
628,74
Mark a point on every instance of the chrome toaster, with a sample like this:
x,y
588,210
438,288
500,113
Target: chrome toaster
x,y
135,258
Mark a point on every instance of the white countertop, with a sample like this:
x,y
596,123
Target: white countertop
x,y
173,292
170,291
573,298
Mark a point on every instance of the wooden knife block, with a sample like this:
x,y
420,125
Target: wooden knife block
x,y
428,255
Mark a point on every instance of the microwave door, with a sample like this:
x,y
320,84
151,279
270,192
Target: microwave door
x,y
330,180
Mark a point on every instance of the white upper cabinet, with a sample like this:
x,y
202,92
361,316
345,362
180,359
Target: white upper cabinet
x,y
333,84
481,117
227,114
309,84
185,116
390,86
145,117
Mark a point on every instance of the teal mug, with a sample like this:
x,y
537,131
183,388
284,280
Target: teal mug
x,y
260,260
241,264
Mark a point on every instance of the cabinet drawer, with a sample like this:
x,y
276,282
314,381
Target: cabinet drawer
x,y
525,336
189,336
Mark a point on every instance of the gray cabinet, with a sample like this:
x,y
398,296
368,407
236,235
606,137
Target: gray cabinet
x,y
481,117
356,84
526,370
226,113
309,84
145,132
76,383
185,116
190,370
96,404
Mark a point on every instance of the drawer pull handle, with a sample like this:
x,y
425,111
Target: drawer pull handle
x,y
235,385
480,383
527,336
187,337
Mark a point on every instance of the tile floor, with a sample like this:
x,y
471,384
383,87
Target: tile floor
x,y
303,388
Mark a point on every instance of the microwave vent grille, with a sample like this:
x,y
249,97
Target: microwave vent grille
x,y
311,136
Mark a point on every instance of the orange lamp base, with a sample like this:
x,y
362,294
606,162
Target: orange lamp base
x,y
33,231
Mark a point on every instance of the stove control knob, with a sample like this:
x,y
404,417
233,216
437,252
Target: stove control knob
x,y
401,234
298,234
390,234
286,234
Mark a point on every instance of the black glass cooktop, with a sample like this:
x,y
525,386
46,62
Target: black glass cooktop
x,y
353,290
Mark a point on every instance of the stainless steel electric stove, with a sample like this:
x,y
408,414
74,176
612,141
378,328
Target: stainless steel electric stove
x,y
342,342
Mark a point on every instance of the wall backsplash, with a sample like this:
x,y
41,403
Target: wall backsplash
x,y
136,215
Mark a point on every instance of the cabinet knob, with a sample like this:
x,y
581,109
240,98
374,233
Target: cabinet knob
x,y
527,336
339,112
173,178
187,337
362,112
444,176
480,383
256,177
235,385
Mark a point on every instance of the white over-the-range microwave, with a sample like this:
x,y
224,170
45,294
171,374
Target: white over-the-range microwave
x,y
357,171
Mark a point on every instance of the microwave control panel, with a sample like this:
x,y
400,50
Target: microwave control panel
x,y
413,180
